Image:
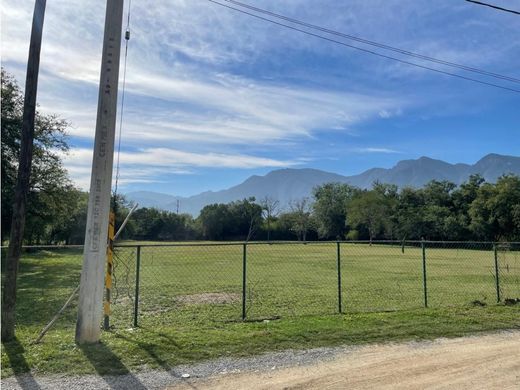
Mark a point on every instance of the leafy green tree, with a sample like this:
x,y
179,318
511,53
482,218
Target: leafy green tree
x,y
155,224
281,227
70,229
409,214
458,224
148,223
52,195
246,218
390,194
495,211
371,210
438,207
330,208
215,220
176,226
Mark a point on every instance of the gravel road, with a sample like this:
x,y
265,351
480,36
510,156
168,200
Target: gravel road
x,y
474,362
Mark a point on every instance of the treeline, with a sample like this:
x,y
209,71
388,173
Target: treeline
x,y
56,212
475,210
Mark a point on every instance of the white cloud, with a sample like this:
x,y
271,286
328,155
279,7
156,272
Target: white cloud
x,y
224,109
147,165
237,110
202,78
385,114
375,150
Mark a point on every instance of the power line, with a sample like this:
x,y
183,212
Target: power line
x,y
376,44
494,6
366,50
127,38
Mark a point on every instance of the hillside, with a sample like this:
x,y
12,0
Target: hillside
x,y
290,184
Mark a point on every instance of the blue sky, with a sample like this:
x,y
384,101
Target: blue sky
x,y
214,96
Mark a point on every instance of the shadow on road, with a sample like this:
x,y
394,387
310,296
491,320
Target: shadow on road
x,y
151,350
110,367
21,369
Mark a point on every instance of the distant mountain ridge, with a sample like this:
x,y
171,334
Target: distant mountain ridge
x,y
291,184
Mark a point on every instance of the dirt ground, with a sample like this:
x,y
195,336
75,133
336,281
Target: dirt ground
x,y
485,362
208,298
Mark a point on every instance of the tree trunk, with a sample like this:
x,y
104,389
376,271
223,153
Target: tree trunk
x,y
24,172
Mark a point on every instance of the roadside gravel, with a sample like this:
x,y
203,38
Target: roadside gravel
x,y
219,372
159,379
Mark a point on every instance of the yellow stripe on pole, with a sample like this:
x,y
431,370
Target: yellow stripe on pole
x,y
110,264
106,308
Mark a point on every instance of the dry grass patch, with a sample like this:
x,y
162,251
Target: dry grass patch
x,y
215,298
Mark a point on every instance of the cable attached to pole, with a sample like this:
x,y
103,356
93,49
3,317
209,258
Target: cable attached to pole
x,y
127,38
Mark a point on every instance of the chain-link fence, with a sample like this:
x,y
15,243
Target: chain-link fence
x,y
256,281
508,266
221,282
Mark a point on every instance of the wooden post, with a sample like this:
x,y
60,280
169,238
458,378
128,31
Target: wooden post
x,y
24,173
91,285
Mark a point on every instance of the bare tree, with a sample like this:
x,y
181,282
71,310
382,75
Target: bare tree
x,y
270,207
301,217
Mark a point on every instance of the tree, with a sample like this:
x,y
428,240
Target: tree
x,y
390,194
330,205
438,207
22,187
215,220
409,214
70,229
51,194
495,211
458,223
370,209
270,209
246,216
300,218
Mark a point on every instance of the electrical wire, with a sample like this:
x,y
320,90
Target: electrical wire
x,y
127,38
494,6
376,44
366,50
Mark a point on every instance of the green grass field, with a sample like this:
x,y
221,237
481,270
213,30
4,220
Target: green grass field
x,y
191,301
296,279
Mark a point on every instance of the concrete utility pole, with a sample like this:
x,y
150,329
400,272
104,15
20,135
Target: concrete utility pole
x,y
24,173
94,253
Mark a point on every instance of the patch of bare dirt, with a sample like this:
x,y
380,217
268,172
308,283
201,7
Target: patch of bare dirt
x,y
218,298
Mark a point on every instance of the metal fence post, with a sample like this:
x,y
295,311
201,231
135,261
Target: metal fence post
x,y
244,274
137,269
339,276
423,246
497,277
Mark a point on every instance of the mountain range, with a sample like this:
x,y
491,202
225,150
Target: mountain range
x,y
287,185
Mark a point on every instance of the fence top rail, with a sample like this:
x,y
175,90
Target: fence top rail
x,y
364,242
423,241
241,243
47,247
